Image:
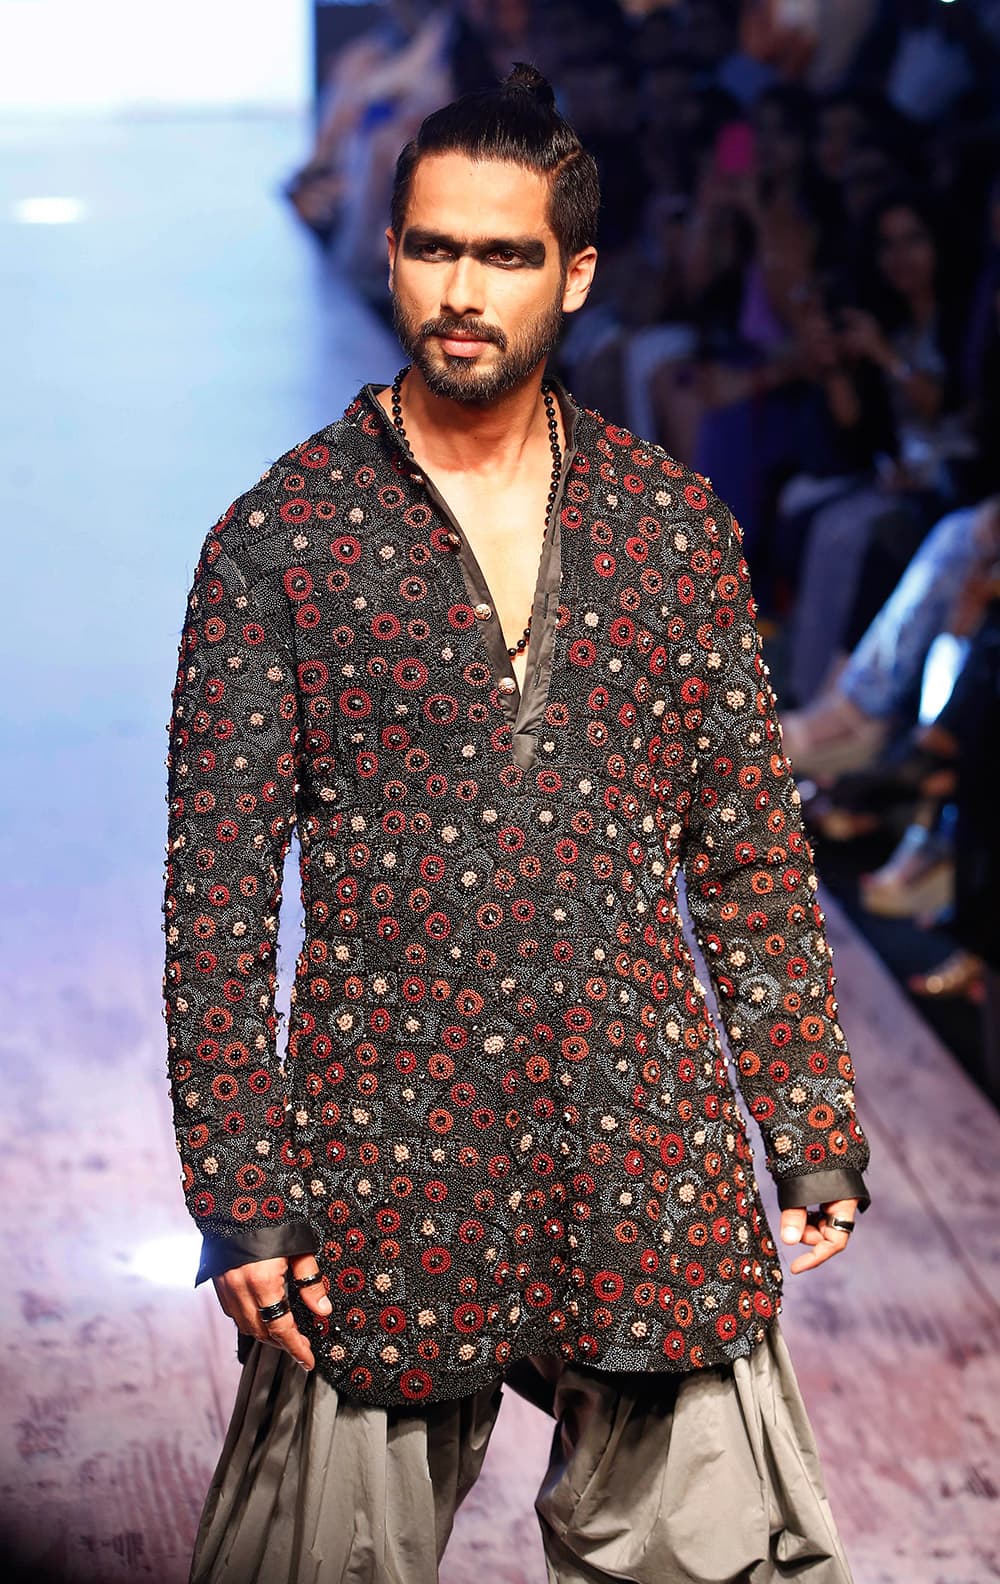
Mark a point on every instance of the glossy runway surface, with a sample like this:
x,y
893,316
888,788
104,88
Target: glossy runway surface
x,y
160,352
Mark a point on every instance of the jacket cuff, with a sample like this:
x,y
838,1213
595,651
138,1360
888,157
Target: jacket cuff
x,y
814,1188
219,1254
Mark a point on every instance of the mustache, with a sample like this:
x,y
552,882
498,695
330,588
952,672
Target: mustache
x,y
470,327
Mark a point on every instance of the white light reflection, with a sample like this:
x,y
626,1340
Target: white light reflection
x,y
945,659
168,1261
49,211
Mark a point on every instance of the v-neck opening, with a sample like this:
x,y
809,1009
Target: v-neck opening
x,y
523,708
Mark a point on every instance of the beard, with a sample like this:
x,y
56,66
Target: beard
x,y
457,378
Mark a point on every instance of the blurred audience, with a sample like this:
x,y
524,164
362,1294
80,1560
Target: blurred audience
x,y
799,294
376,92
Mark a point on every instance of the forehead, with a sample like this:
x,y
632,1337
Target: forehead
x,y
902,222
466,198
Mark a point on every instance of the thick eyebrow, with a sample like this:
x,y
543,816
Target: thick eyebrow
x,y
531,249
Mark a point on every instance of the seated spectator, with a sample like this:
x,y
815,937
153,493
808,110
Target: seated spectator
x,y
776,399
905,331
847,724
972,717
362,84
854,718
947,859
640,317
379,90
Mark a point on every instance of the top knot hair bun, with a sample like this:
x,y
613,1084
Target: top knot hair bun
x,y
529,80
515,122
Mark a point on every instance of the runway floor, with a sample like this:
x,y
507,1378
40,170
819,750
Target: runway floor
x,y
165,348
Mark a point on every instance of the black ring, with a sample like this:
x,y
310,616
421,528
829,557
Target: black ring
x,y
274,1311
308,1281
841,1224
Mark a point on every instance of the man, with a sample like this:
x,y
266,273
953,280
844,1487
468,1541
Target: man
x,y
495,659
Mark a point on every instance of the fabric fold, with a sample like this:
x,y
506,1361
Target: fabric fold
x,y
712,1477
312,1488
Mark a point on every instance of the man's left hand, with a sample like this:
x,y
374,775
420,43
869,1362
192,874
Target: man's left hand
x,y
814,1228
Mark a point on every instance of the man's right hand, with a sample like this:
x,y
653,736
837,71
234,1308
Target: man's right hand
x,y
248,1288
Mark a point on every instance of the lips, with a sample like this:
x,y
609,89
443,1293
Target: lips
x,y
462,346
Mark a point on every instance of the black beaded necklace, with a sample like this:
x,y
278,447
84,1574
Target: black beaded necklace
x,y
550,412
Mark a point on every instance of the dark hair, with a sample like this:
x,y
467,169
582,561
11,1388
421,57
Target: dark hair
x,y
517,121
951,302
797,105
874,290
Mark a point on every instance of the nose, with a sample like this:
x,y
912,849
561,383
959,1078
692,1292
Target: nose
x,y
463,289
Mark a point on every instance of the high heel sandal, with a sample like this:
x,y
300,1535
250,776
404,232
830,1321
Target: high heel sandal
x,y
918,878
959,975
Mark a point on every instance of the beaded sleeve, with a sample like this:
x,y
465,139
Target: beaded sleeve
x,y
752,896
234,736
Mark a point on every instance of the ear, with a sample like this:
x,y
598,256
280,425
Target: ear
x,y
579,276
391,244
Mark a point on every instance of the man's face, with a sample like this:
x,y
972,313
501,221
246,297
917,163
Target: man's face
x,y
478,289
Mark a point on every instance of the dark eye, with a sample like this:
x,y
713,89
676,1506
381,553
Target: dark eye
x,y
506,255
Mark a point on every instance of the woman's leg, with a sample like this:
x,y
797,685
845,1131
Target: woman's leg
x,y
885,665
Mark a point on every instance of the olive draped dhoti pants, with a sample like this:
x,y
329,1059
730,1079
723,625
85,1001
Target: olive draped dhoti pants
x,y
710,1477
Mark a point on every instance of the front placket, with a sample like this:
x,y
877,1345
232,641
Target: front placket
x,y
524,710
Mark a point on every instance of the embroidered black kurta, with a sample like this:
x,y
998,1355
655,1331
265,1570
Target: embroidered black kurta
x,y
503,1118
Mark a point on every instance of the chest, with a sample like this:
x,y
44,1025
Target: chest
x,y
504,555
414,599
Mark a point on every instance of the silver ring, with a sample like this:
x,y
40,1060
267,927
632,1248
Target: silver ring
x,y
274,1311
307,1281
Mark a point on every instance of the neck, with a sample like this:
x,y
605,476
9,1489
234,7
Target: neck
x,y
490,439
922,305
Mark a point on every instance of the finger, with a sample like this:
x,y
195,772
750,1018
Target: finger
x,y
832,1234
281,1333
825,1236
284,1333
229,1303
823,1239
255,1287
838,1236
821,1251
793,1224
843,1209
315,1296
